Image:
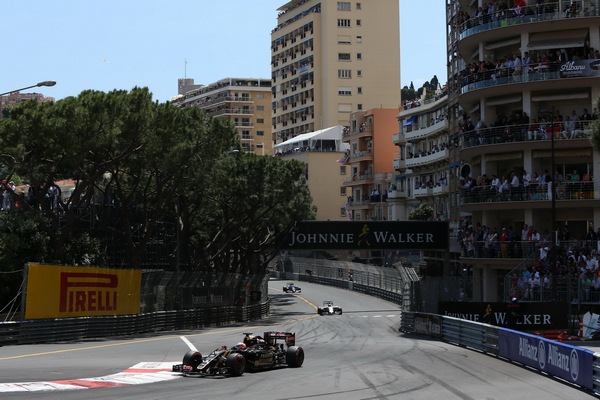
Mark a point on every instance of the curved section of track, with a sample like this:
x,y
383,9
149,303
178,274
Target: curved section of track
x,y
357,355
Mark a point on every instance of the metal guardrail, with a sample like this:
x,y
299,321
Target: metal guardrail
x,y
534,351
70,329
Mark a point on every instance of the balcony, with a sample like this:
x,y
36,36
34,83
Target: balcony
x,y
419,161
437,127
398,138
423,192
440,190
399,164
397,194
363,155
579,190
551,11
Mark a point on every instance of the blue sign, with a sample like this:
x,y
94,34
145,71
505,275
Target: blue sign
x,y
570,363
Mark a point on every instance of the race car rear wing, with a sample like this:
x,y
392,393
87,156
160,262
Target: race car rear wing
x,y
272,337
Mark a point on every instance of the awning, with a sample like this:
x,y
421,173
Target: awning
x,y
503,43
558,39
454,164
410,120
333,133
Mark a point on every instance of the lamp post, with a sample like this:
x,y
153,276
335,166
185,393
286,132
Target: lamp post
x,y
40,84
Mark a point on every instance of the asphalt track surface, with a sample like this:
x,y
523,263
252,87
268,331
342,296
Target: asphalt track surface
x,y
357,355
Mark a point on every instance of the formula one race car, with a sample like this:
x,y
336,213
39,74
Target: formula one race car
x,y
253,354
291,288
329,309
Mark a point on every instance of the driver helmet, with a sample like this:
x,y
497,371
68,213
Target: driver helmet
x,y
239,346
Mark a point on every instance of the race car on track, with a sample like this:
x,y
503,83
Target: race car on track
x,y
329,309
291,288
254,353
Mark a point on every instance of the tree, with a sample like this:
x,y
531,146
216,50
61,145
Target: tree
x,y
255,201
139,166
422,213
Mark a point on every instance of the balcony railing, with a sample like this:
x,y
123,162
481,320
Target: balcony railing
x,y
526,132
579,190
424,132
544,12
426,159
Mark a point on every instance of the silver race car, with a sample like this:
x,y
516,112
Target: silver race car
x,y
329,309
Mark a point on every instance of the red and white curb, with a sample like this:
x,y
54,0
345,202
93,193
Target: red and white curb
x,y
144,372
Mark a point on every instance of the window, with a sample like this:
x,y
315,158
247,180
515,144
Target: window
x,y
359,90
343,6
345,108
344,57
343,23
260,133
260,121
359,56
343,172
344,91
358,22
345,39
344,73
359,72
358,6
260,108
260,95
359,106
359,39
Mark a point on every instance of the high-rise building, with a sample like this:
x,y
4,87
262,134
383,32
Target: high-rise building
x,y
330,58
244,101
523,94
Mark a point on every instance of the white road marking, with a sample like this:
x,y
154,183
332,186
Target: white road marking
x,y
189,344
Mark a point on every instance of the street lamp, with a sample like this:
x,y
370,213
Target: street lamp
x,y
40,84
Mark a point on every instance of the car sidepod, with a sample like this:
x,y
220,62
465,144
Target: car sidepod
x,y
294,356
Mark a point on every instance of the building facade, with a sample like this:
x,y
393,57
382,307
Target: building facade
x,y
370,175
330,58
523,95
322,152
244,101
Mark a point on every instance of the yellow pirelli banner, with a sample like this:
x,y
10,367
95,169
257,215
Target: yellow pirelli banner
x,y
61,292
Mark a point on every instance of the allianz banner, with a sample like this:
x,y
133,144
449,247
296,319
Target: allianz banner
x,y
580,68
380,235
63,292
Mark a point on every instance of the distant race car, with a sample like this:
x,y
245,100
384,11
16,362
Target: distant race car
x,y
329,309
253,354
291,288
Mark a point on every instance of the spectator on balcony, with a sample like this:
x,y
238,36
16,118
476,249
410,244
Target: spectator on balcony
x,y
517,67
526,63
571,126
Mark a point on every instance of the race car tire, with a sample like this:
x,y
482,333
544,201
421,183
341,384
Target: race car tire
x,y
294,356
338,312
319,312
192,358
236,363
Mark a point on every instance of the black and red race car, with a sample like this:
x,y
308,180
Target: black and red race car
x,y
254,353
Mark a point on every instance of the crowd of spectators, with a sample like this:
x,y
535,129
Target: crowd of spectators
x,y
520,127
503,13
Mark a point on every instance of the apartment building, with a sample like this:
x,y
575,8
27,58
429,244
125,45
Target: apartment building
x,y
370,171
523,92
331,58
244,101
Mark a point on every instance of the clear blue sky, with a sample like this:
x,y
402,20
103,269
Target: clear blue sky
x,y
119,44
